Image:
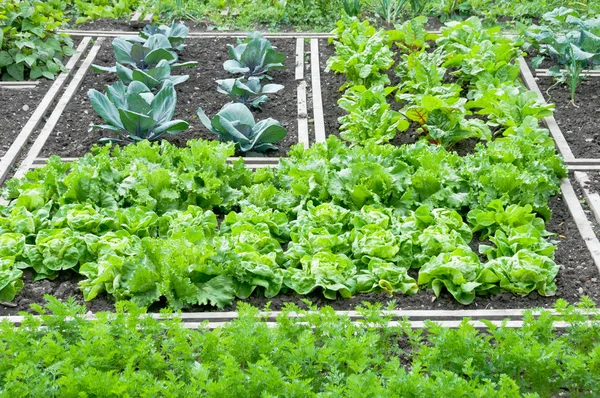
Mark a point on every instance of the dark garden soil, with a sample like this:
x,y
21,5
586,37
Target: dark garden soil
x,y
577,122
105,25
330,90
578,276
593,187
72,139
594,184
17,108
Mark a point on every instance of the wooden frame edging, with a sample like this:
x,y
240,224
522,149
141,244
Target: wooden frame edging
x,y
274,35
58,110
418,319
14,150
583,224
317,98
563,147
592,198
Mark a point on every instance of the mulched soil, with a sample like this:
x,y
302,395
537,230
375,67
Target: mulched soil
x,y
577,122
17,108
578,276
72,139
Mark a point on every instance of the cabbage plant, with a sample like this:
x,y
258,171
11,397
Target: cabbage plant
x,y
255,56
247,91
143,56
135,113
234,122
176,33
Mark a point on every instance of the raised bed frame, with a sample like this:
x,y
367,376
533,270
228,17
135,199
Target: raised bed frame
x,y
448,318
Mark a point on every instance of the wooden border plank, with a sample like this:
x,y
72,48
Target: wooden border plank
x,y
41,139
583,167
15,149
581,220
20,87
299,58
592,198
135,18
317,100
148,18
27,82
550,122
115,33
302,115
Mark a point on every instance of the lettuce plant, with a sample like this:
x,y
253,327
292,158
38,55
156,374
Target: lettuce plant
x,y
135,113
255,56
369,115
247,91
234,122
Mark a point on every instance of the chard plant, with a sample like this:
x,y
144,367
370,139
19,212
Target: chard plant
x,y
253,57
235,123
249,91
135,113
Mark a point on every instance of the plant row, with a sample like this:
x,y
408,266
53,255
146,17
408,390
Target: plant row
x,y
62,354
141,105
142,222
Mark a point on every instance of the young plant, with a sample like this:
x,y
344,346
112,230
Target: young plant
x,y
234,122
253,57
152,78
573,43
143,56
247,91
352,7
369,115
176,33
412,36
30,48
135,114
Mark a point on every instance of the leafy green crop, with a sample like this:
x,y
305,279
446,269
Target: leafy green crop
x,y
176,33
253,57
30,48
145,55
362,54
132,354
570,41
369,115
234,122
247,91
135,114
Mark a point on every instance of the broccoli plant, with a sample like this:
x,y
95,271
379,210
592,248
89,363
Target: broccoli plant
x,y
234,122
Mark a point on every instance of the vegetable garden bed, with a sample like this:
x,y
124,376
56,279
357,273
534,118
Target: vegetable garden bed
x,y
577,277
282,192
71,137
